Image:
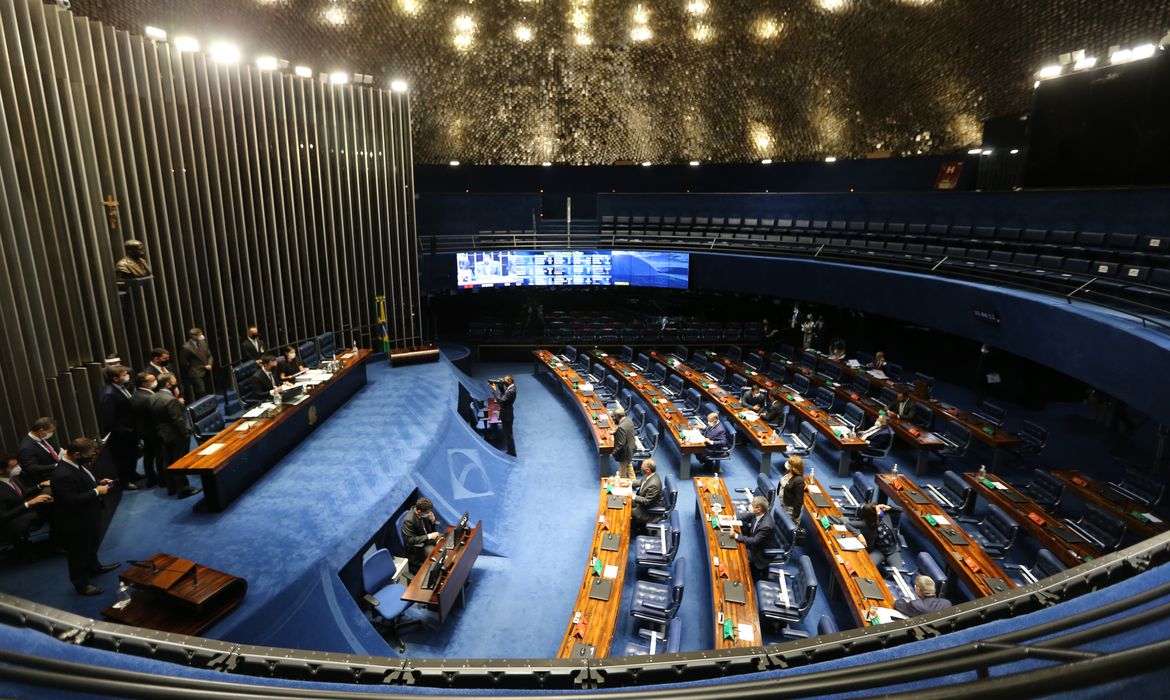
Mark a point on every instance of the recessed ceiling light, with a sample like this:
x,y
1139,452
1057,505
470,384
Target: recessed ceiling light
x,y
339,78
645,164
766,161
1144,51
694,163
523,32
974,151
303,71
1122,56
831,159
454,162
267,63
156,34
1085,63
399,85
584,39
1049,71
1014,151
641,33
186,43
546,164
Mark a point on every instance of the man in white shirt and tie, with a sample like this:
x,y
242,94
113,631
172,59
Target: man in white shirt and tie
x,y
759,532
37,452
22,507
252,348
80,500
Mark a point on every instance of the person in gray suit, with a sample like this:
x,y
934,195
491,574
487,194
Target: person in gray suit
x,y
196,360
624,443
647,495
927,601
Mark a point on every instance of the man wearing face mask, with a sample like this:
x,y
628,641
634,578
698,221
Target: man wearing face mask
x,y
22,508
144,424
174,437
252,348
38,452
80,498
290,365
196,360
116,419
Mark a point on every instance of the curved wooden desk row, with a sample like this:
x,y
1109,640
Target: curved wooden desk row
x,y
961,555
849,568
1136,515
601,423
590,636
745,419
1046,529
732,569
242,452
673,422
828,426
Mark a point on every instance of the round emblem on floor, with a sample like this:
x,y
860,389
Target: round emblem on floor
x,y
312,415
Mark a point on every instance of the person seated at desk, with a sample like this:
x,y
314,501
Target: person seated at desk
x,y
876,531
754,398
37,454
647,495
263,385
715,436
927,601
902,405
23,507
837,350
777,409
791,488
879,436
290,365
758,532
879,361
419,531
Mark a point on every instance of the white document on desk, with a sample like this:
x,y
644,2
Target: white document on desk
x,y
211,449
245,425
1152,518
878,374
850,544
692,436
941,520
813,488
885,615
729,521
623,491
259,410
746,633
611,571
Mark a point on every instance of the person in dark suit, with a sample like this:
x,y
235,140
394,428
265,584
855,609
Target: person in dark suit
x,y
141,402
715,437
876,531
791,489
759,533
37,452
116,419
173,435
506,396
80,499
159,361
777,409
902,405
419,531
624,443
290,365
253,347
22,508
755,398
927,601
647,494
879,436
264,385
879,361
196,361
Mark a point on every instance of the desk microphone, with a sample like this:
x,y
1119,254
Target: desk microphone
x,y
144,563
154,569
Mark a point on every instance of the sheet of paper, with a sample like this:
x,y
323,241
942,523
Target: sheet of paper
x,y
853,363
840,528
692,436
623,491
885,615
746,633
611,571
211,449
246,425
729,521
751,416
877,374
258,411
1152,518
941,520
814,488
850,544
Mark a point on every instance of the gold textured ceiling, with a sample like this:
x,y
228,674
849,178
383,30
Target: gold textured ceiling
x,y
601,81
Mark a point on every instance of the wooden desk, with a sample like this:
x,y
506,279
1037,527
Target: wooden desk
x,y
451,586
1020,508
177,595
601,424
964,557
241,457
599,617
847,567
766,440
671,420
733,566
1102,496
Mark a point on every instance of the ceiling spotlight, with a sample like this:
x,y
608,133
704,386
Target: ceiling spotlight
x,y
523,32
766,161
641,33
974,151
697,7
831,159
1085,63
584,39
339,78
303,71
464,23
1049,72
454,162
546,164
1144,51
335,15
1122,56
267,63
768,28
410,7
832,5
987,151
399,86
186,43
694,163
702,32
641,16
156,34
645,164
1014,151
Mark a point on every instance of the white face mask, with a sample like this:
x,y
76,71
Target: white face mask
x,y
16,471
201,338
47,436
153,386
292,356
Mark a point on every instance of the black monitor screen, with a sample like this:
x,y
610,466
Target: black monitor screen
x,y
522,268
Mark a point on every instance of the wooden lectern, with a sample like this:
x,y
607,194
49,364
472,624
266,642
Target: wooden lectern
x,y
176,595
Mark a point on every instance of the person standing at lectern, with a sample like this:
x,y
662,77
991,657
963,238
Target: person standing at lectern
x,y
419,532
196,360
506,396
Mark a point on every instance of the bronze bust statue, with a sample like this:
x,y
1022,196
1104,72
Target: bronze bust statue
x,y
134,265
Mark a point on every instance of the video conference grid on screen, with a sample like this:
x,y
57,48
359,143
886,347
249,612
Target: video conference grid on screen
x,y
511,268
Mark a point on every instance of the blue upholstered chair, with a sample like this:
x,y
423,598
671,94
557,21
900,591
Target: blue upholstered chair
x,y
1046,565
206,418
803,440
326,344
648,552
860,489
671,644
657,603
957,496
1105,529
782,611
383,598
669,496
1045,489
692,402
996,533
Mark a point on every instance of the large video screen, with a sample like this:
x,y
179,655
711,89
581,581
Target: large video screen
x,y
523,268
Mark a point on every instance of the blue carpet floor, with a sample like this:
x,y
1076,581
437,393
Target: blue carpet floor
x,y
292,532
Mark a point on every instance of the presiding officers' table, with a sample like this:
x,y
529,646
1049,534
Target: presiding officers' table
x,y
732,592
595,612
600,421
1064,543
854,571
241,453
962,555
1135,514
746,419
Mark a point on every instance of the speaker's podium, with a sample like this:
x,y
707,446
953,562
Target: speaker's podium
x,y
176,595
442,578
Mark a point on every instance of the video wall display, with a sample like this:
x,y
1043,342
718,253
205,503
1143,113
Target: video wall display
x,y
605,268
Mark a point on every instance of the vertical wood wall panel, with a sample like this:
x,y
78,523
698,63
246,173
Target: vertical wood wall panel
x,y
262,198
